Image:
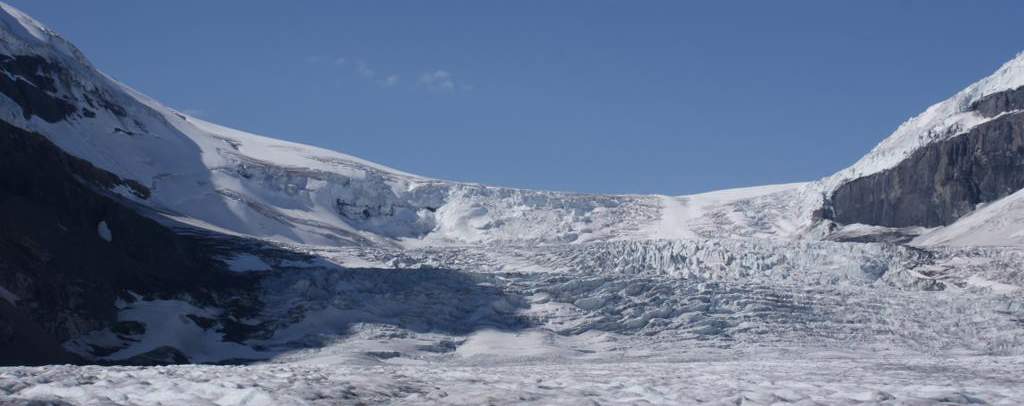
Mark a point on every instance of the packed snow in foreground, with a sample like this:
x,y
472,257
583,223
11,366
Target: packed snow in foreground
x,y
762,379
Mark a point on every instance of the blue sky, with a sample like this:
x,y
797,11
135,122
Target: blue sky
x,y
596,96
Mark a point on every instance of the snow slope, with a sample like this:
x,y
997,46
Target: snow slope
x,y
694,216
1000,223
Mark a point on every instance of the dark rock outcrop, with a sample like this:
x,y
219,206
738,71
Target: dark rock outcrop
x,y
942,182
65,275
52,92
29,81
998,103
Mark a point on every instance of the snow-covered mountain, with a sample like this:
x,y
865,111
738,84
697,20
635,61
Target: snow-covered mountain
x,y
136,234
232,181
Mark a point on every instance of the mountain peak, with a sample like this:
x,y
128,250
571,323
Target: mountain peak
x,y
22,25
941,121
1008,76
23,34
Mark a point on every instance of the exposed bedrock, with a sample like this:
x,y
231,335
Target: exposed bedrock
x,y
69,250
997,103
943,181
54,92
29,82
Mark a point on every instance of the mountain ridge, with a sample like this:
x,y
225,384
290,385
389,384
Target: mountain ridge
x,y
150,146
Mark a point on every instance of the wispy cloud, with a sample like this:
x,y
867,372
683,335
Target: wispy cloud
x,y
364,70
438,79
442,80
385,80
390,81
435,80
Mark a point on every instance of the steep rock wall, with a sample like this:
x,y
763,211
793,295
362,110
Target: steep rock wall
x,y
943,181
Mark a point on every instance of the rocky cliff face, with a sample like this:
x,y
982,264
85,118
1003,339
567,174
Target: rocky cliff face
x,y
69,250
945,180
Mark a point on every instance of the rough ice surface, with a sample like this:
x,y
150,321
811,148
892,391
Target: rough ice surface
x,y
410,290
791,377
747,321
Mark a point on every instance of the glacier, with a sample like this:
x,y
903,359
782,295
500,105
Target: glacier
x,y
363,284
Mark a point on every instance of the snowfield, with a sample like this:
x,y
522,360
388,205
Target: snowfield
x,y
790,377
1000,223
379,286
